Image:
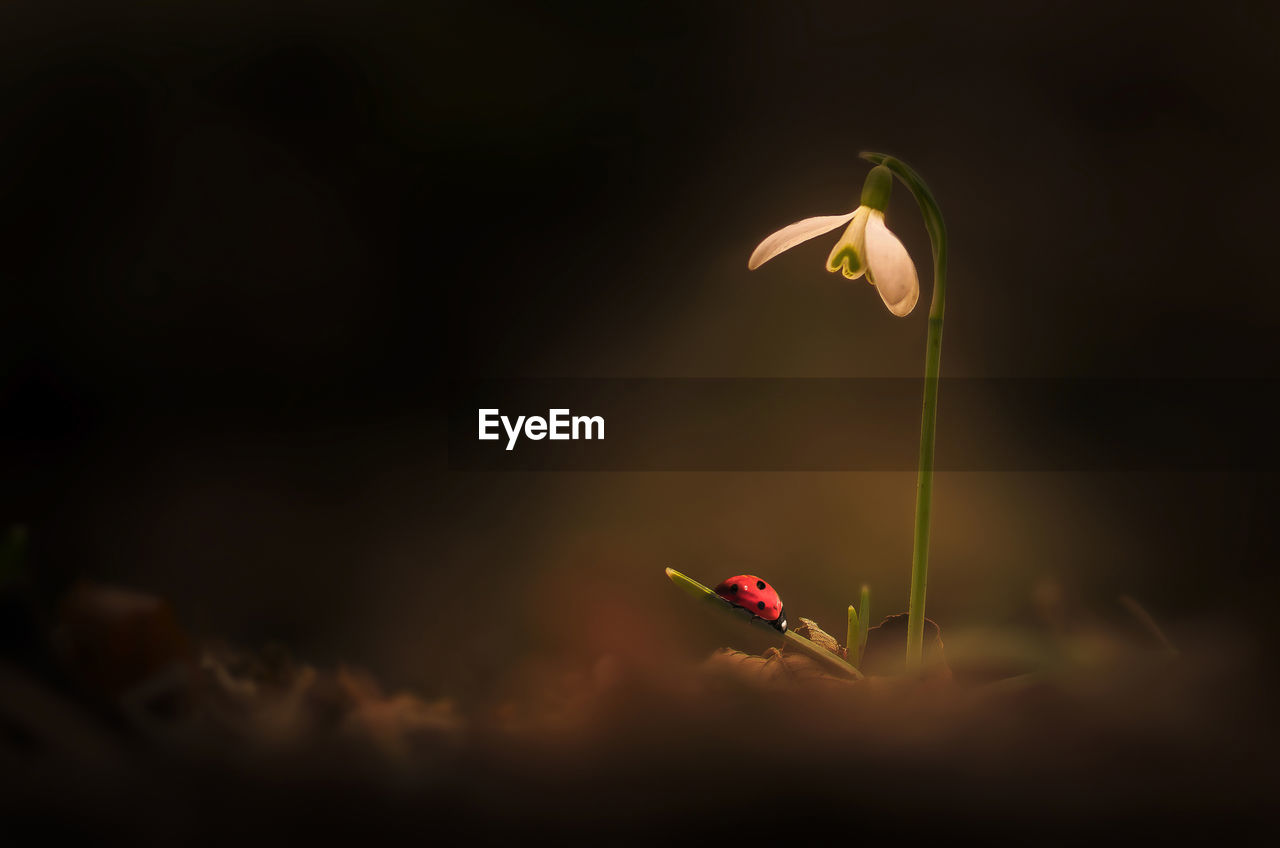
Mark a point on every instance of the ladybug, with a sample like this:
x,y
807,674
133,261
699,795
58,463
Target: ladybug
x,y
756,597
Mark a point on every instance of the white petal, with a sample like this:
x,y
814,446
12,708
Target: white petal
x,y
788,237
890,267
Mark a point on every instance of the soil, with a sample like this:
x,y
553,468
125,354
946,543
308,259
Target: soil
x,y
154,736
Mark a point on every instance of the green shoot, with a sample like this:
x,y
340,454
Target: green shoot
x,y
864,615
852,637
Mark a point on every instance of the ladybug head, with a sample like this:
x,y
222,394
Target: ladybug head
x,y
780,623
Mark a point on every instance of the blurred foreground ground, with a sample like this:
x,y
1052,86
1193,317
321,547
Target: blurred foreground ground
x,y
115,722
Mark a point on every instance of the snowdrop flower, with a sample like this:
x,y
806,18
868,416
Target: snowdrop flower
x,y
867,246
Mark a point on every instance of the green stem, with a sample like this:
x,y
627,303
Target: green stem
x,y
864,616
851,638
929,417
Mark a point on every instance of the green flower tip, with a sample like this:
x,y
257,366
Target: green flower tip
x,y
877,188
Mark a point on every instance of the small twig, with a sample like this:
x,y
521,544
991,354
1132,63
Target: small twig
x,y
1144,618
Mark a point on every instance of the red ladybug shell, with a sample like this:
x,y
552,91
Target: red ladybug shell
x,y
756,596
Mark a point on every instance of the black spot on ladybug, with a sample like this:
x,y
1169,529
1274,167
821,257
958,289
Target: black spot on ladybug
x,y
759,584
733,588
760,604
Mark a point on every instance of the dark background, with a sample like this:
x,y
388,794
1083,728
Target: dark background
x,y
242,251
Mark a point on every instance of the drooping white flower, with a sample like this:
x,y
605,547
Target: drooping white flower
x,y
867,246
